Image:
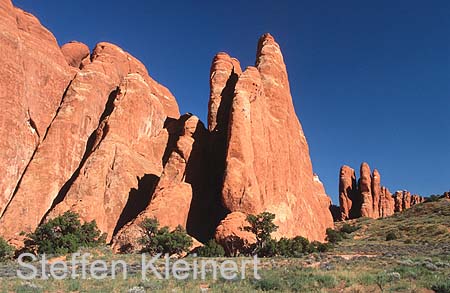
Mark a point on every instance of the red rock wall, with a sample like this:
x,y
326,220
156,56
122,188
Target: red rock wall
x,y
267,165
95,134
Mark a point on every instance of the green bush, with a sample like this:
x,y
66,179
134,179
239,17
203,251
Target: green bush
x,y
317,246
64,234
262,226
162,240
294,247
347,228
391,236
333,236
6,250
211,249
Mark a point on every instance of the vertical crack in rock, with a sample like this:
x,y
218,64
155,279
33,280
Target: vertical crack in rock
x,y
59,108
92,143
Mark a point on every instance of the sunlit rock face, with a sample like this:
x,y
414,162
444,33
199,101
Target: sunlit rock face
x,y
93,133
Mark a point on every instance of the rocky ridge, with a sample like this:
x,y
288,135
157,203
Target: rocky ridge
x,y
366,197
95,134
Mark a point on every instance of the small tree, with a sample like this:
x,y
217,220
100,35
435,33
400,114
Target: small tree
x,y
211,249
6,250
161,240
262,226
64,234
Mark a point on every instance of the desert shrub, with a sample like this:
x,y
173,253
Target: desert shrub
x,y
441,287
64,234
347,228
211,249
391,236
333,236
161,240
262,226
317,246
294,247
6,250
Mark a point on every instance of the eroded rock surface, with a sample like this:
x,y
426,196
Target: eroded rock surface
x,y
267,165
95,134
33,78
370,198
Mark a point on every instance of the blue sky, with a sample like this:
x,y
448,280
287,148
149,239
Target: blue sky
x,y
370,79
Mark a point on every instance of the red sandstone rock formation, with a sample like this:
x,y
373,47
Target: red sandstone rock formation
x,y
347,192
319,191
172,199
398,197
387,203
231,234
268,167
33,78
370,199
121,159
75,53
61,155
365,183
376,193
95,134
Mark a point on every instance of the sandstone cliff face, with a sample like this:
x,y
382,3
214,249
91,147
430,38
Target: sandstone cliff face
x,y
121,159
370,199
170,203
33,78
267,165
72,137
95,134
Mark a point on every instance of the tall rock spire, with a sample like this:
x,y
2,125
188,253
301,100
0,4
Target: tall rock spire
x,y
268,167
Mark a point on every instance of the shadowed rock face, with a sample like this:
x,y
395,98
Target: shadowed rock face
x,y
95,134
370,199
173,196
348,202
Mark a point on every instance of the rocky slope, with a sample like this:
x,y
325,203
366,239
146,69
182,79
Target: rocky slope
x,y
93,133
367,198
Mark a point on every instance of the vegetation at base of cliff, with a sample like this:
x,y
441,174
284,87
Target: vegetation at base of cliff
x,y
162,240
262,227
6,250
210,249
363,261
64,234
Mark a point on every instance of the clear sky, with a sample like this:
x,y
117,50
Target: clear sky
x,y
370,79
